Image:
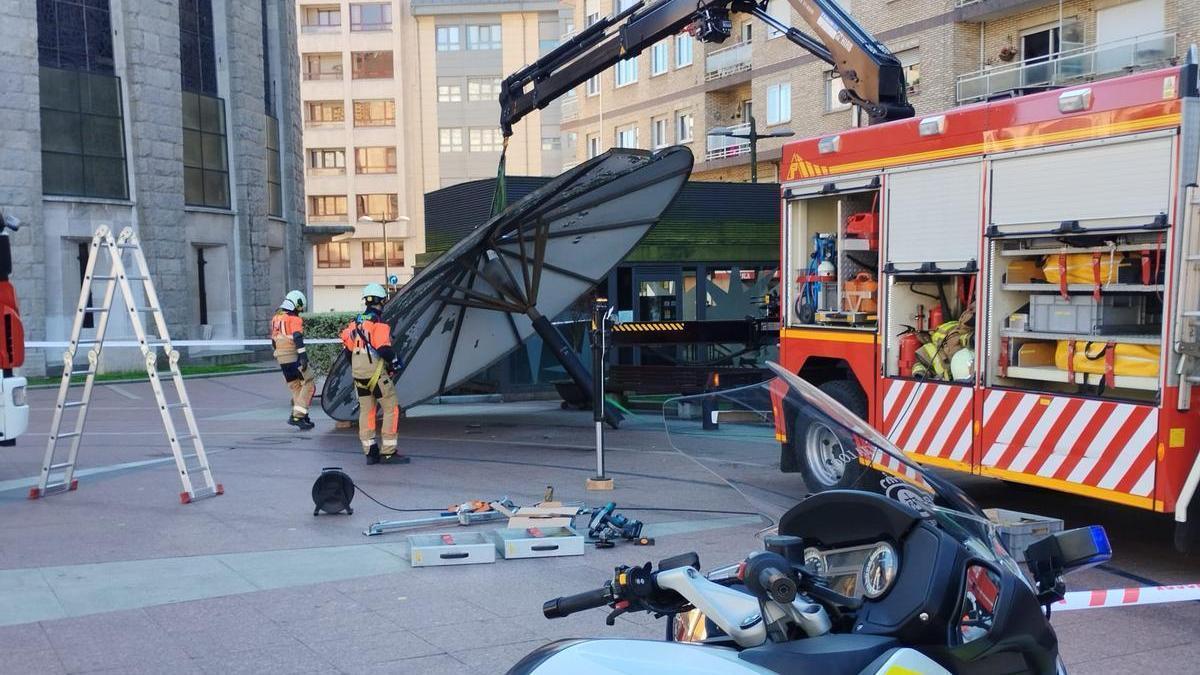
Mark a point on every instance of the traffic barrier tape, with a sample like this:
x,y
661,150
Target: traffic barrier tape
x,y
1127,597
36,344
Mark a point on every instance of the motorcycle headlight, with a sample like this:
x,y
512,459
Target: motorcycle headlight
x,y
879,571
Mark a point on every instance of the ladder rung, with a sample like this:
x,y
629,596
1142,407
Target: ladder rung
x,y
82,372
74,404
137,278
185,437
149,308
69,434
61,465
127,245
172,406
95,309
103,277
1192,314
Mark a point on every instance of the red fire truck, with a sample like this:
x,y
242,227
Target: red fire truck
x,y
1038,256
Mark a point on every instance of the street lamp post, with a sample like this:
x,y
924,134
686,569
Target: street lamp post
x,y
383,223
753,136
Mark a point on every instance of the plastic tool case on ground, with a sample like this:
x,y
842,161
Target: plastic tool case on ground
x,y
486,295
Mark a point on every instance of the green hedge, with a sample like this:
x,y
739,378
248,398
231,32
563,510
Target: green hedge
x,y
325,325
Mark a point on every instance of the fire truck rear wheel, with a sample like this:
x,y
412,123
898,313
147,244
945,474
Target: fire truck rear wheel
x,y
826,457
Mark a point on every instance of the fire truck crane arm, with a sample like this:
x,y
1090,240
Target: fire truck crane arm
x,y
872,75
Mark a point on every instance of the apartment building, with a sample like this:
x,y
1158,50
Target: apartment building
x,y
179,119
954,52
400,98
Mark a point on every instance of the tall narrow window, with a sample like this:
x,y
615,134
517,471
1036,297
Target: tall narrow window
x,y
274,158
205,164
658,59
84,253
202,286
683,50
83,140
684,127
779,103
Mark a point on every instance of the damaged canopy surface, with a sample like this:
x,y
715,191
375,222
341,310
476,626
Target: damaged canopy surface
x,y
476,302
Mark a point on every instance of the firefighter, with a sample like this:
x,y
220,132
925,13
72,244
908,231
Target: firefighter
x,y
373,364
287,337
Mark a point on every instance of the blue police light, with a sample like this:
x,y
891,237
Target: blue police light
x,y
1102,546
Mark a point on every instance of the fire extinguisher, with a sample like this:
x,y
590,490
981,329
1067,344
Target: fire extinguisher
x,y
909,344
935,316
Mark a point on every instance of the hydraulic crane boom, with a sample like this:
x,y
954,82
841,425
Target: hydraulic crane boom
x,y
872,75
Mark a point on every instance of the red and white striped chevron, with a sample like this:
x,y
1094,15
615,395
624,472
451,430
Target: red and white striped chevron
x,y
928,418
1088,442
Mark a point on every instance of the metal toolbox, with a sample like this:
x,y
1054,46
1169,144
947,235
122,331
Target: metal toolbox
x,y
1084,315
451,548
1018,530
534,542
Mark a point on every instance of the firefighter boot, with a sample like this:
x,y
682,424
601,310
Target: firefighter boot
x,y
301,423
373,455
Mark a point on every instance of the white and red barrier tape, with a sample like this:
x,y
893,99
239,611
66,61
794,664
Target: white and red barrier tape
x,y
1127,597
35,344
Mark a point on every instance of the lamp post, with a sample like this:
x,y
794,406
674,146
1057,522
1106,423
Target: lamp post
x,y
753,136
383,223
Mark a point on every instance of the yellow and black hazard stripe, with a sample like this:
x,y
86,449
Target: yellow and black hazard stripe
x,y
647,326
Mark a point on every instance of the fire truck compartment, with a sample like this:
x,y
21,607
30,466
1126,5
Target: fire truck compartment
x,y
1049,189
832,252
943,238
916,305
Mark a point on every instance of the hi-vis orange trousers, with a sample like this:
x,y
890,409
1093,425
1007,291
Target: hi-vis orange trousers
x,y
382,394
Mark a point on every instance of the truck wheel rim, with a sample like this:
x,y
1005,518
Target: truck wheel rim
x,y
823,450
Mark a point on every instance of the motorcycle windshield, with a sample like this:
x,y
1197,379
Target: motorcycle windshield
x,y
778,441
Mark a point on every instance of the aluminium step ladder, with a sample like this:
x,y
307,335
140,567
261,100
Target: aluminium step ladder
x,y
191,460
1187,326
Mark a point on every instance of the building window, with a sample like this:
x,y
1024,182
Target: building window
x,y
205,165
833,90
658,133
626,72
373,252
197,49
910,61
450,140
379,112
378,207
593,85
274,170
74,38
591,12
593,145
448,38
551,143
327,206
779,103
486,140
449,93
375,160
371,65
782,12
322,16
323,66
683,50
483,37
83,141
326,161
333,255
483,88
370,16
659,59
684,126
627,137
325,112
268,94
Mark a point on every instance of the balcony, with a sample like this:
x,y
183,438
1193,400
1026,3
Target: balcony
x,y
328,75
724,147
727,61
1082,64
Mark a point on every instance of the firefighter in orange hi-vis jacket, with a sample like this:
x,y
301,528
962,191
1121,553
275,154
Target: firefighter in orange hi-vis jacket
x,y
287,337
373,364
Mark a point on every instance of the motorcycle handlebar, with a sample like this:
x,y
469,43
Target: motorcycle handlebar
x,y
778,586
569,604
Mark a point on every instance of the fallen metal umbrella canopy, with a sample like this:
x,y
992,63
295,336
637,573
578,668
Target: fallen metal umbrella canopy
x,y
502,283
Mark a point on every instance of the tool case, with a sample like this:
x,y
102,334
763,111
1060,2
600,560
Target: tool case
x,y
535,542
450,548
1084,315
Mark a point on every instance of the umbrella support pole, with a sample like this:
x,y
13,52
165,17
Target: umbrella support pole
x,y
570,362
599,320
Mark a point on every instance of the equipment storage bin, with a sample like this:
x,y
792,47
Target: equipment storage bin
x,y
1083,315
1018,530
533,542
432,550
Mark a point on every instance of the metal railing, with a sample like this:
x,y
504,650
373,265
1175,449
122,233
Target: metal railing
x,y
723,147
323,75
1084,63
727,61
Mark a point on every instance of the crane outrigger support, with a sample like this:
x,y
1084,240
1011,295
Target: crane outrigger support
x,y
872,75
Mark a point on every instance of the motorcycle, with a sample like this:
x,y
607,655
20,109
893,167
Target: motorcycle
x,y
896,571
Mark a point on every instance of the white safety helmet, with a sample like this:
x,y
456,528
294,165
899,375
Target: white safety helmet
x,y
294,301
962,364
374,291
